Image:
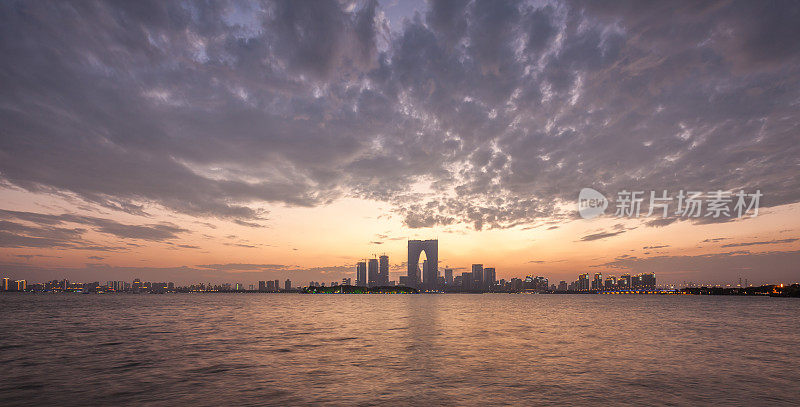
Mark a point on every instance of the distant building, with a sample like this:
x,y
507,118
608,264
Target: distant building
x,y
467,281
430,274
262,286
361,274
448,276
583,282
489,277
372,273
647,280
22,285
277,285
287,285
597,282
477,276
383,270
562,285
624,281
347,281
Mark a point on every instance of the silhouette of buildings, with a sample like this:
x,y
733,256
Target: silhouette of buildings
x,y
383,270
430,274
372,273
361,274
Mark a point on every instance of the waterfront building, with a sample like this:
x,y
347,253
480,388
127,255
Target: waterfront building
x,y
361,274
448,276
383,270
372,273
477,276
489,277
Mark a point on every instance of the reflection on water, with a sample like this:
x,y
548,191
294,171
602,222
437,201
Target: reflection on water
x,y
290,349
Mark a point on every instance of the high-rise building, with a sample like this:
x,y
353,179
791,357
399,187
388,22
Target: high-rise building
x,y
415,249
448,276
647,280
6,284
489,277
22,285
347,281
277,285
467,281
372,273
597,282
262,286
624,281
562,285
271,285
477,276
611,283
583,282
383,270
361,274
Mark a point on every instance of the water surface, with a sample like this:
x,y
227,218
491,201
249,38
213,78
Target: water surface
x,y
454,349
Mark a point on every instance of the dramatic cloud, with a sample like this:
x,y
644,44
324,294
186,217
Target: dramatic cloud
x,y
488,113
45,234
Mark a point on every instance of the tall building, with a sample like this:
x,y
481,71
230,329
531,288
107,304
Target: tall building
x,y
448,276
287,285
562,285
6,285
477,276
624,281
383,270
347,281
372,273
583,282
415,249
647,280
467,281
22,285
597,282
262,286
361,274
277,285
489,277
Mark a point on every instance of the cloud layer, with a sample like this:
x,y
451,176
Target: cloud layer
x,y
487,113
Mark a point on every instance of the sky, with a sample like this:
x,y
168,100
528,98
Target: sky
x,y
243,141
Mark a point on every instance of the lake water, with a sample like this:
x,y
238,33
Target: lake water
x,y
452,349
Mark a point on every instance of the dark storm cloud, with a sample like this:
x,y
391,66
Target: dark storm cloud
x,y
505,110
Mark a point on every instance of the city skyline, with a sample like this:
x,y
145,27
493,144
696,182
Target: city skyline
x,y
171,143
